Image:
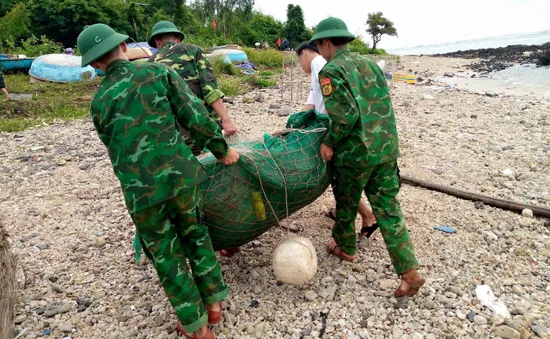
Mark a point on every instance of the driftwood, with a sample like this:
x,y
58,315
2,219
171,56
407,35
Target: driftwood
x,y
7,285
495,202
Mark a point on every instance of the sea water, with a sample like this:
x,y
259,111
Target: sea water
x,y
535,38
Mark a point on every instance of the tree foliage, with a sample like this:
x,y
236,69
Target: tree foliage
x,y
15,24
377,26
295,28
63,20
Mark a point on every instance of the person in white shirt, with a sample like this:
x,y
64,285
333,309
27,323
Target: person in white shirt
x,y
312,62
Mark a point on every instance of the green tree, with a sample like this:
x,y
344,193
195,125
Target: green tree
x,y
63,20
295,28
377,26
15,24
359,46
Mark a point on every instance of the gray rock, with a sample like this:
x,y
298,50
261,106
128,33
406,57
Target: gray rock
x,y
20,318
416,335
429,305
29,237
284,112
66,327
84,166
506,332
402,303
63,308
471,315
386,284
122,318
328,293
43,247
397,332
259,97
461,315
57,288
479,320
541,331
99,242
310,295
274,107
518,290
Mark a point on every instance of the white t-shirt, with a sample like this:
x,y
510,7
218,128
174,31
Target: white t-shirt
x,y
315,96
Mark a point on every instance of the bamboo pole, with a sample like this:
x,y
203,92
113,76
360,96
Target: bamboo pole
x,y
495,202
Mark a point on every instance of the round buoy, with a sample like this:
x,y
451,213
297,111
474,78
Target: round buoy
x,y
295,261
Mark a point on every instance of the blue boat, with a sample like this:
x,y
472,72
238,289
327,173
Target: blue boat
x,y
230,55
142,45
61,68
15,65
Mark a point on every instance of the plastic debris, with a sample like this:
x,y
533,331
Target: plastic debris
x,y
489,300
45,333
445,229
22,333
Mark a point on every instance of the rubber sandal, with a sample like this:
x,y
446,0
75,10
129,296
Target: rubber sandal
x,y
230,252
208,335
414,286
215,317
336,250
367,231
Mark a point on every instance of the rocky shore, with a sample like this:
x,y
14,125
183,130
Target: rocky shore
x,y
63,208
497,59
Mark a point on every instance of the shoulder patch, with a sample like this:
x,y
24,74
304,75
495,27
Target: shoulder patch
x,y
326,86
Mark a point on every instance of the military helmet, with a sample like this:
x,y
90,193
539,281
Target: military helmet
x,y
163,27
97,40
332,28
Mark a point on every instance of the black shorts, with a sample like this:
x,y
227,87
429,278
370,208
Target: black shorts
x,y
2,85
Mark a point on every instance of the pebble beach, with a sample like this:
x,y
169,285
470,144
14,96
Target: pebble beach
x,y
63,207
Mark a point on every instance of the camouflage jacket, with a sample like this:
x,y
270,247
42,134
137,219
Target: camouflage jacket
x,y
191,64
363,129
136,112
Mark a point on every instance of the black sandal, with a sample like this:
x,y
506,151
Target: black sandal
x,y
367,231
330,214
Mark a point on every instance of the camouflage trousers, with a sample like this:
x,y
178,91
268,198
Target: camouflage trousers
x,y
194,145
171,233
381,184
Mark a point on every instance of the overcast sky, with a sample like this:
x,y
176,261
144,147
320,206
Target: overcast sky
x,y
424,22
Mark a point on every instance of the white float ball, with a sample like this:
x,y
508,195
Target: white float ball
x,y
295,261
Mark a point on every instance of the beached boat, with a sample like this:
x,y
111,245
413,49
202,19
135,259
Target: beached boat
x,y
142,45
230,55
15,63
60,68
138,53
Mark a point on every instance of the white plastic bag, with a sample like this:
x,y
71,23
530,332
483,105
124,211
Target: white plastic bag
x,y
488,299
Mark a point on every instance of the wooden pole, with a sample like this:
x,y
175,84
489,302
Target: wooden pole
x,y
495,202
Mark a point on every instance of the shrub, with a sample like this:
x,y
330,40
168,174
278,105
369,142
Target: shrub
x,y
33,46
231,86
266,57
260,82
359,46
219,66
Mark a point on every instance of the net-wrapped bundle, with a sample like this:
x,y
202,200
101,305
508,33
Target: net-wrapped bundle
x,y
274,178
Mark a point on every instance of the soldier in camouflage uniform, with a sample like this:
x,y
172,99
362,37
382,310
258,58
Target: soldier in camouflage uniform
x,y
363,140
136,111
191,64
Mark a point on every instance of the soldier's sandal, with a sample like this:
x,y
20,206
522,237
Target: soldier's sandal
x,y
336,250
208,335
367,231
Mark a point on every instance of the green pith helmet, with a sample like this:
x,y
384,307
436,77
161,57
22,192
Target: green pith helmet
x,y
97,40
163,27
332,28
